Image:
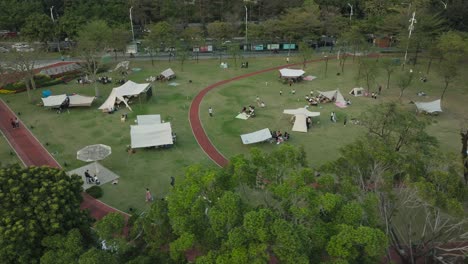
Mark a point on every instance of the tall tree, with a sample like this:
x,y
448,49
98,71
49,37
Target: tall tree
x,y
404,81
36,202
389,66
93,39
38,27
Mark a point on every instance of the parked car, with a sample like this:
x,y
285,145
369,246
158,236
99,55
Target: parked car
x,y
22,47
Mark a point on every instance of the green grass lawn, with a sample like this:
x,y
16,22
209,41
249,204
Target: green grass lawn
x,y
68,132
7,155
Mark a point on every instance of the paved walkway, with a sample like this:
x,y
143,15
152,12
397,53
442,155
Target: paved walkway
x,y
194,115
31,152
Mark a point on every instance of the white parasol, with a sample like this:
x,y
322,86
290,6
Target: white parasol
x,y
94,153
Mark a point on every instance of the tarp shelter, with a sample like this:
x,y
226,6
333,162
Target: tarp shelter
x,y
335,96
148,119
429,107
143,136
291,73
358,91
168,74
257,136
301,115
80,100
128,89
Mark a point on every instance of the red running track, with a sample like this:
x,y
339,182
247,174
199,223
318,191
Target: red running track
x,y
32,153
194,115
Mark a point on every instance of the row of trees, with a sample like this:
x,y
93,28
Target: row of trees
x,y
390,192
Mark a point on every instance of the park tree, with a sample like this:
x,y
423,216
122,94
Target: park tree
x,y
194,37
119,38
23,64
306,53
183,53
61,248
69,25
367,72
12,13
235,52
389,67
38,27
36,203
453,47
404,80
160,36
93,39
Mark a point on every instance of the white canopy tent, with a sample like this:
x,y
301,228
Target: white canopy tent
x,y
75,100
257,136
122,65
358,91
143,136
429,107
148,119
127,89
291,73
336,96
301,115
54,100
168,74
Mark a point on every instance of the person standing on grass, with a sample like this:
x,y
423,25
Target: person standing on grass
x,y
210,111
172,181
148,196
345,120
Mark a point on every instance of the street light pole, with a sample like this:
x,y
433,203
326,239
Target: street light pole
x,y
246,41
131,24
52,14
410,29
351,11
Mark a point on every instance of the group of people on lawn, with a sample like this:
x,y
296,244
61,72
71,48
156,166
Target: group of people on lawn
x,y
91,179
279,137
249,112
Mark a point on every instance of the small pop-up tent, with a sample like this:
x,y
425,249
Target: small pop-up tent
x,y
168,74
75,100
143,136
257,136
128,89
358,91
429,107
334,96
300,115
291,73
123,66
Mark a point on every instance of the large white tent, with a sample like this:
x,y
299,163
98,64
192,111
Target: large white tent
x,y
301,115
257,136
143,136
335,96
127,89
75,100
429,107
291,73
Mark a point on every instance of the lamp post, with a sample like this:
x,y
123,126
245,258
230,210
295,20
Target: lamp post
x,y
351,11
246,41
52,14
131,24
410,30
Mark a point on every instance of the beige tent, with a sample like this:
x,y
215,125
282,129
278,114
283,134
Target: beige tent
x,y
54,100
128,89
143,136
148,119
358,91
300,115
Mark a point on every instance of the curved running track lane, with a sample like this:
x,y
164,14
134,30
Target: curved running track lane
x,y
32,153
194,115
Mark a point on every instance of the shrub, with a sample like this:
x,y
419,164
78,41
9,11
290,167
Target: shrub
x,y
95,191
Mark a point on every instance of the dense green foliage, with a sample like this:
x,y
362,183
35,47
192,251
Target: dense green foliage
x,y
36,203
95,191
